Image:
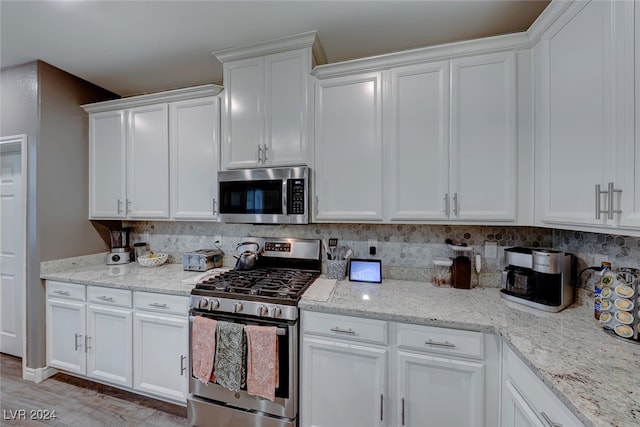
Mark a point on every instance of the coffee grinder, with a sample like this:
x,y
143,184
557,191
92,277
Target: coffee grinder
x,y
121,252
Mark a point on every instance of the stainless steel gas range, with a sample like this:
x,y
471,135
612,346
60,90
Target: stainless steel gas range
x,y
265,296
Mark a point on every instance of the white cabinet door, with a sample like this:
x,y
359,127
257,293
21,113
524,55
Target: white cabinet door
x,y
66,335
286,107
109,344
195,160
575,116
439,391
107,154
516,412
148,162
483,138
342,384
160,363
243,120
348,149
417,142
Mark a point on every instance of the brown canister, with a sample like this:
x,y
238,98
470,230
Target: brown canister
x,y
461,272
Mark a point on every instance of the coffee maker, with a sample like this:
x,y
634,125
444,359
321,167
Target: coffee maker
x,y
121,252
539,278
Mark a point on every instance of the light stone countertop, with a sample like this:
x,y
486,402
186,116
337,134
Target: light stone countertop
x,y
164,279
596,375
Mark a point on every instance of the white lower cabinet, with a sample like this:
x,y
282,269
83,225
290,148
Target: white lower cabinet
x,y
138,342
526,401
424,376
160,345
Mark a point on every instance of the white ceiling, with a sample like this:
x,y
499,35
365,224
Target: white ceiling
x,y
133,47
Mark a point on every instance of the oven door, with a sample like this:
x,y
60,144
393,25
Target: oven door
x,y
286,401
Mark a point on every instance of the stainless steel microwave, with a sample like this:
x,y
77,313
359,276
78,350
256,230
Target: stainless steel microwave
x,y
264,196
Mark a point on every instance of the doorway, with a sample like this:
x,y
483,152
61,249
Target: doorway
x,y
12,244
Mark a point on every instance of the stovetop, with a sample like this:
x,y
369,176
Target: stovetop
x,y
273,283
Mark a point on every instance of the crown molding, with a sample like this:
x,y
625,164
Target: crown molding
x,y
550,15
156,97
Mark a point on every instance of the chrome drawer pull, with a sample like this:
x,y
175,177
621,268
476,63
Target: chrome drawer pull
x,y
343,331
182,365
86,343
381,407
402,413
548,420
440,344
76,336
65,293
104,298
156,305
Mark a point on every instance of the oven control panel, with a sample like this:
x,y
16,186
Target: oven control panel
x,y
277,246
203,304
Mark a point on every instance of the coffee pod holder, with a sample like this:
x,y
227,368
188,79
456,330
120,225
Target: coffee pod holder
x,y
621,304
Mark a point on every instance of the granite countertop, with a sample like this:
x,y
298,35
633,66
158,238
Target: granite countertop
x,y
166,279
596,375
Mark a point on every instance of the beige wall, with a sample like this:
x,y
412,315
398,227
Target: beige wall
x,y
43,102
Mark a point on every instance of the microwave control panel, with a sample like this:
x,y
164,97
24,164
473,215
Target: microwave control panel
x,y
296,196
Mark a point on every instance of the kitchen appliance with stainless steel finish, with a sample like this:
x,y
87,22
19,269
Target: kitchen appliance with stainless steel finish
x,y
267,295
202,260
265,196
121,252
539,278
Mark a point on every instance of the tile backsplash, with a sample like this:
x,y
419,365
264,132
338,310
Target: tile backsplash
x,y
406,250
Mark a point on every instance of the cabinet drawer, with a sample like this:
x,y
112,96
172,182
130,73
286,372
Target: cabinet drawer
x,y
65,290
440,340
345,327
161,303
109,296
547,406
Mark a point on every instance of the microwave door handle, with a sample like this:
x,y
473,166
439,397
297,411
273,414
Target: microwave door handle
x,y
285,195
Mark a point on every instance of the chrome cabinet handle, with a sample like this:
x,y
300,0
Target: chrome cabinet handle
x,y
259,154
128,206
65,293
264,157
402,412
381,407
86,343
76,336
440,343
105,298
156,305
610,209
598,192
215,211
119,206
455,204
182,365
343,331
446,204
549,421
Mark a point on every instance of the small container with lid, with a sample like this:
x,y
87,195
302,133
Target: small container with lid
x,y
441,276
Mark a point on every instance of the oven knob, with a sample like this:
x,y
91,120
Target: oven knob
x,y
215,303
263,311
203,304
237,307
276,312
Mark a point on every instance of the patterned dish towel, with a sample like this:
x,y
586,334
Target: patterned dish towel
x,y
203,347
231,356
262,360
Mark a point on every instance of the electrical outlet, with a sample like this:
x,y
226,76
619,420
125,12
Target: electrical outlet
x,y
372,245
490,249
598,259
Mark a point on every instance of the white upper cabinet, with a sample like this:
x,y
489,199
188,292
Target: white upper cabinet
x,y
348,149
417,141
148,162
130,156
483,138
586,151
194,158
265,118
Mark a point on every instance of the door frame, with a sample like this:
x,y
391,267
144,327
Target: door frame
x,y
18,143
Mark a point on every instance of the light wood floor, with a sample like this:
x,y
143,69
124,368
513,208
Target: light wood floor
x,y
78,402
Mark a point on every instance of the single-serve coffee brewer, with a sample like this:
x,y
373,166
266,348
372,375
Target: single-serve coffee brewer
x,y
539,278
121,252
